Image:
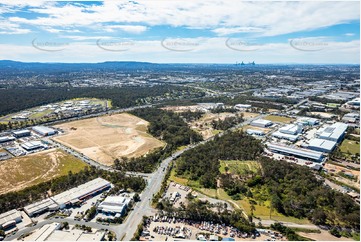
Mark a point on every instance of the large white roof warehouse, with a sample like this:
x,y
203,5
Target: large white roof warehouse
x,y
297,152
334,132
322,145
45,131
261,123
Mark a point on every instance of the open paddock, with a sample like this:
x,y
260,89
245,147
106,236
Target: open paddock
x,y
21,172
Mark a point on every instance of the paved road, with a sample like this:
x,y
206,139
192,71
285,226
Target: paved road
x,y
143,208
288,224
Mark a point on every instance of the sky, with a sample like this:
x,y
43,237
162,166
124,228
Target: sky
x,y
188,31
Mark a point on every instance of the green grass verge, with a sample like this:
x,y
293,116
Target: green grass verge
x,y
350,146
281,119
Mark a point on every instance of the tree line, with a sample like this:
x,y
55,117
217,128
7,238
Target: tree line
x,y
296,192
18,199
228,122
17,99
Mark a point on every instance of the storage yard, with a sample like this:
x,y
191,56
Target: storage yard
x,y
106,138
160,228
21,172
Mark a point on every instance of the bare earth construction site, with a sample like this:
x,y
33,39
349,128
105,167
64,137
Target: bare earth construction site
x,y
106,138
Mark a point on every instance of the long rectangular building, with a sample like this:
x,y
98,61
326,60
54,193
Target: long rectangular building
x,y
43,130
4,139
40,207
33,145
21,133
261,123
72,196
81,192
322,145
297,152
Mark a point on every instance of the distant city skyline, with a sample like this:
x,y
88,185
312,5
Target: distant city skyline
x,y
159,31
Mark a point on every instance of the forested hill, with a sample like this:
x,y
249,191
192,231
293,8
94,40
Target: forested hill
x,y
291,189
295,191
202,163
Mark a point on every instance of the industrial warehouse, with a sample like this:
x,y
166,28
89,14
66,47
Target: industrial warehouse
x,y
44,131
9,219
73,196
289,132
21,133
297,152
322,145
34,145
114,205
334,132
261,123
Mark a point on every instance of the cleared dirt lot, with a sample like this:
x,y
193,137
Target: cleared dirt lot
x,y
323,236
19,173
106,138
265,130
204,124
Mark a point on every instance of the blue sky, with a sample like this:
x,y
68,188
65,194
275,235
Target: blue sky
x,y
168,31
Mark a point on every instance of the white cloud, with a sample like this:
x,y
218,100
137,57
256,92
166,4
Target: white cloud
x,y
274,18
349,34
80,38
11,28
227,31
134,29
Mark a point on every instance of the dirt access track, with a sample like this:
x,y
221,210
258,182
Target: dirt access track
x,y
106,138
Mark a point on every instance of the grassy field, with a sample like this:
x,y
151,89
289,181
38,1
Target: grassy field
x,y
281,119
21,172
239,167
350,146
